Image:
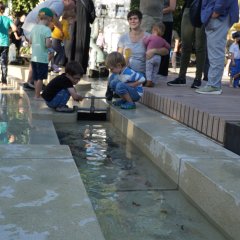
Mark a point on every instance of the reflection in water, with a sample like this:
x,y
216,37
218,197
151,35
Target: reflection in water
x,y
14,119
132,199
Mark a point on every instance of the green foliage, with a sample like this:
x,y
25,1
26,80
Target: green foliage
x,y
23,6
134,4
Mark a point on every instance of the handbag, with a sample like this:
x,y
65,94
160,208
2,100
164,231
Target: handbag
x,y
195,13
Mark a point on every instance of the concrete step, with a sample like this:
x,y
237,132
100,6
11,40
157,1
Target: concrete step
x,y
205,171
42,195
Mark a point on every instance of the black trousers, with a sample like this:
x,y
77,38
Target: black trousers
x,y
163,69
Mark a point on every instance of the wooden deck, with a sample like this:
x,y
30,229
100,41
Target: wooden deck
x,y
207,114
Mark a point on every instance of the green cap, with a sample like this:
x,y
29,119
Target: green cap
x,y
46,11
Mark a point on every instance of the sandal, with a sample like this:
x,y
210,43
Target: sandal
x,y
119,102
128,105
64,109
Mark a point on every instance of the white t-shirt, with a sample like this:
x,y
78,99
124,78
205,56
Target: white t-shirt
x,y
57,6
234,49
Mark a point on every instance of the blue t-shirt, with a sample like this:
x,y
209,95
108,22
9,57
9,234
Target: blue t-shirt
x,y
5,23
126,76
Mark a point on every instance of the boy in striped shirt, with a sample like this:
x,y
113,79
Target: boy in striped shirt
x,y
124,81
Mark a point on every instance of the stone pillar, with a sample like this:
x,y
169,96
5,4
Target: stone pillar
x,y
152,12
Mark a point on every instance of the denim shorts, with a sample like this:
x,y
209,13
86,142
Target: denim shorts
x,y
60,99
39,71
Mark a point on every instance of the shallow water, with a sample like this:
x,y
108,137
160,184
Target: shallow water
x,y
132,199
14,119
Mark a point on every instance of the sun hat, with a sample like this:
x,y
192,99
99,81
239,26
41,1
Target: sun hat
x,y
45,12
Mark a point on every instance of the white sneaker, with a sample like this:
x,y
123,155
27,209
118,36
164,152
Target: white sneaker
x,y
209,90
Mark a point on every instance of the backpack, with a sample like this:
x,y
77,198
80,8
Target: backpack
x,y
195,13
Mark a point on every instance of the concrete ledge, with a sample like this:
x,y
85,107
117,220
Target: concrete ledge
x,y
42,130
195,163
213,184
43,197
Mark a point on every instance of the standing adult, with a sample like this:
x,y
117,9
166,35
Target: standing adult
x,y
133,40
82,32
152,13
5,23
57,7
217,16
169,8
189,36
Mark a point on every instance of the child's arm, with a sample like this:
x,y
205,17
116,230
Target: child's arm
x,y
48,42
74,94
135,78
232,59
166,44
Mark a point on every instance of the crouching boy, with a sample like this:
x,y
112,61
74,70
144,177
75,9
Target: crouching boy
x,y
124,81
58,91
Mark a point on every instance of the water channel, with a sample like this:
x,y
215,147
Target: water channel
x,y
132,198
14,118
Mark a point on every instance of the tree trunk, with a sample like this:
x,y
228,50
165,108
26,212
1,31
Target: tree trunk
x,y
152,13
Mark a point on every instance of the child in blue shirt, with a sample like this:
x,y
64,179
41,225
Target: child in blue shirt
x,y
234,50
5,24
124,81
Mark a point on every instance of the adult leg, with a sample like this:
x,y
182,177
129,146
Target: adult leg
x,y
200,46
216,31
200,40
163,70
187,35
4,63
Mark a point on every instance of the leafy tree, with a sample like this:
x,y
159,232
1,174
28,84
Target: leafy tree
x,y
135,4
22,7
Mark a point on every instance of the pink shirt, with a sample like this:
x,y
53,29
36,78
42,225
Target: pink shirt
x,y
154,41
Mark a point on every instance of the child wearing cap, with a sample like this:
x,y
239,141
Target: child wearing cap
x,y
234,51
40,38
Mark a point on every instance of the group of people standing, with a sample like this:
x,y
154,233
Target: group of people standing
x,y
145,53
210,38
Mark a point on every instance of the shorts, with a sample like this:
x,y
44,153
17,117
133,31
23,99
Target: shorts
x,y
39,71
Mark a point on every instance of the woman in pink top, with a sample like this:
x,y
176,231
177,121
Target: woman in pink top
x,y
154,41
